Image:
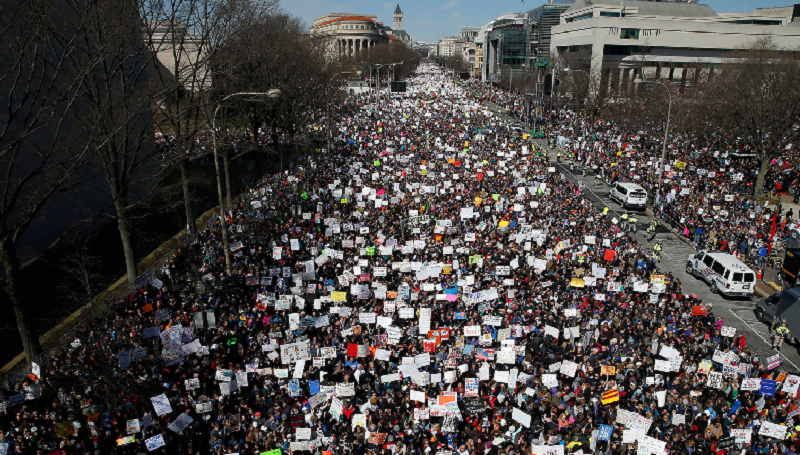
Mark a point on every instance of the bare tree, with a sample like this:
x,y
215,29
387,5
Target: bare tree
x,y
756,97
185,35
404,58
41,160
84,277
272,53
583,80
118,97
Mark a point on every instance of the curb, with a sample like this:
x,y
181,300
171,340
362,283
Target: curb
x,y
52,336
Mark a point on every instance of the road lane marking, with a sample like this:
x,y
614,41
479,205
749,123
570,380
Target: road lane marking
x,y
764,340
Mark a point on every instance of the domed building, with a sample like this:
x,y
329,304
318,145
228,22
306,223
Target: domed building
x,y
349,33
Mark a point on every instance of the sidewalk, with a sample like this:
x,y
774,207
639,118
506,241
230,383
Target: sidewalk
x,y
768,284
786,204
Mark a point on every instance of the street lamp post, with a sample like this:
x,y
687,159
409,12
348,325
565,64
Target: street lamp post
x,y
569,70
661,165
588,86
378,82
274,93
393,64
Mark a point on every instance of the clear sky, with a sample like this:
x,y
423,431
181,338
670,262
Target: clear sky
x,y
427,20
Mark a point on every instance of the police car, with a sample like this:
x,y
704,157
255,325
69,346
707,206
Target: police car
x,y
629,195
726,274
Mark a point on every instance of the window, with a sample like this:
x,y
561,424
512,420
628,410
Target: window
x,y
708,261
580,18
749,277
622,190
718,268
757,22
700,256
737,277
611,49
609,14
727,274
629,33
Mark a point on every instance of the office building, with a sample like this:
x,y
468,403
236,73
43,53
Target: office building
x,y
617,40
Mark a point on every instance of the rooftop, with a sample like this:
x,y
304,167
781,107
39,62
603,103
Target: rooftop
x,y
645,8
346,18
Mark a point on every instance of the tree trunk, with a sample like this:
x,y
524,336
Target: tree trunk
x,y
184,165
229,198
10,262
125,235
762,173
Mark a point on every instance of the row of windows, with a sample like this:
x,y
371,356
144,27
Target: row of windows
x,y
355,27
611,14
612,49
617,14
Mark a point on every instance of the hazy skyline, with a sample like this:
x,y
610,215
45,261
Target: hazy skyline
x,y
429,20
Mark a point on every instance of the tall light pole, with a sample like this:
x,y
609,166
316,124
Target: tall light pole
x,y
588,87
274,93
570,70
661,165
328,117
378,92
396,63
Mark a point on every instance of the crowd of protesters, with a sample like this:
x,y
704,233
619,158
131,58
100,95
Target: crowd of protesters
x,y
708,185
434,287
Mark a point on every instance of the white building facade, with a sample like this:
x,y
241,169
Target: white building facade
x,y
349,34
617,40
184,56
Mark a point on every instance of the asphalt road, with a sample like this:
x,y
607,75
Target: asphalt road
x,y
736,312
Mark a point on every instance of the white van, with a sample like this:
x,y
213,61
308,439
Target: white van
x,y
629,194
726,274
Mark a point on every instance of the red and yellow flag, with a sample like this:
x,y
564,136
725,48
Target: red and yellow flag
x,y
610,396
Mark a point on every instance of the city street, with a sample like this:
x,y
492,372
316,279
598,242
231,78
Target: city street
x,y
735,312
274,228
